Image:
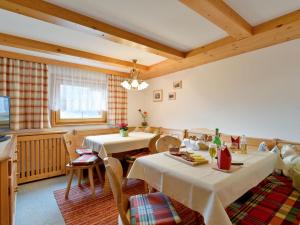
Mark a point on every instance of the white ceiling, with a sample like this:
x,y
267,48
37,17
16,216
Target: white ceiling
x,y
166,21
27,27
259,11
65,58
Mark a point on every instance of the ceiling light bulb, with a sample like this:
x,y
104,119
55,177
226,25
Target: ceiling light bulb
x,y
144,85
134,83
140,87
125,84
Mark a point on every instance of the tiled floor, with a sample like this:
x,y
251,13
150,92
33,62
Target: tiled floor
x,y
36,204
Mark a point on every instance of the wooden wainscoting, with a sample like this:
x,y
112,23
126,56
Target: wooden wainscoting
x,y
179,133
281,142
40,155
83,133
199,132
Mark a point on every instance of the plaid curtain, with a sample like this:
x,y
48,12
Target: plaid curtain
x,y
117,101
27,85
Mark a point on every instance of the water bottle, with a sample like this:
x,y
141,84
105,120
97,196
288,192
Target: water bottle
x,y
217,139
243,145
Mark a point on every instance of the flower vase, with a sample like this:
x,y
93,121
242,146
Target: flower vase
x,y
144,124
124,133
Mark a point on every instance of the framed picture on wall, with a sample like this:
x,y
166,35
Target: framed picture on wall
x,y
157,95
172,95
177,84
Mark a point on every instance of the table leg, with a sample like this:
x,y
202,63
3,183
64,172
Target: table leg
x,y
99,174
79,174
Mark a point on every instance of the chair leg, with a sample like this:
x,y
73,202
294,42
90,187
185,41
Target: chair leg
x,y
69,184
128,170
150,188
106,185
91,178
99,174
79,174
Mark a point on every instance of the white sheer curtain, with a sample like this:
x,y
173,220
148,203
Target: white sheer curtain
x,y
76,90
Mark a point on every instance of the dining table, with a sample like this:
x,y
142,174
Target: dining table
x,y
203,188
108,144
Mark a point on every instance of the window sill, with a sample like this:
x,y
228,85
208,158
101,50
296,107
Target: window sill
x,y
79,124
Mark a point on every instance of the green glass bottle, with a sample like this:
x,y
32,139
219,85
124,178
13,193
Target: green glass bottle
x,y
217,139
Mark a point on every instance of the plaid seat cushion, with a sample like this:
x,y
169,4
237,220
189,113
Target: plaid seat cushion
x,y
151,209
85,160
83,151
274,201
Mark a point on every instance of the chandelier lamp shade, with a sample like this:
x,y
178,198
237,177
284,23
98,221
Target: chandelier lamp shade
x,y
134,83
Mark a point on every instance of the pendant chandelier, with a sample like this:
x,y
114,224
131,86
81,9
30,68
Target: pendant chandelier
x,y
133,83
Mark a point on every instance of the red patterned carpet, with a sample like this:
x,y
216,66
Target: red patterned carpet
x,y
274,201
82,209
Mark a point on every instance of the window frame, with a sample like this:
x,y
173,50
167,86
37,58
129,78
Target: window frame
x,y
57,121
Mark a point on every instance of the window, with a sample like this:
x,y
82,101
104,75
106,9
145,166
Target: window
x,y
77,96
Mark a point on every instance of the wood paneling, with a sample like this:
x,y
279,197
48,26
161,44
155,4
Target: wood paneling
x,y
178,133
251,141
83,133
281,142
8,185
219,13
47,61
57,15
276,31
40,156
199,132
29,44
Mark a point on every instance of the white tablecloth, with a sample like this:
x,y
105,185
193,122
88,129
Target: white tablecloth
x,y
115,143
202,188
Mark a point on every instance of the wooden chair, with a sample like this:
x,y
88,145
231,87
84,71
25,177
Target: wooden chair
x,y
151,150
164,142
115,175
79,163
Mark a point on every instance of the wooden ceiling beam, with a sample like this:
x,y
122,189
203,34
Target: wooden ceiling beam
x,y
19,42
14,55
219,13
279,30
57,15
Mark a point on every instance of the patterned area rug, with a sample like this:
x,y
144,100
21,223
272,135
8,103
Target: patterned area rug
x,y
273,201
82,209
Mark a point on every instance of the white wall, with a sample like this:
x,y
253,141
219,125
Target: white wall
x,y
256,94
135,102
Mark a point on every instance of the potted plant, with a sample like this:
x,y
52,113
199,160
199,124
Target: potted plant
x,y
123,129
144,115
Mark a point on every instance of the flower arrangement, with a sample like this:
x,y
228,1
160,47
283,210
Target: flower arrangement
x,y
123,129
144,115
123,126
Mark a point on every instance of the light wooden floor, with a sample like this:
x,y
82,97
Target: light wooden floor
x,y
36,204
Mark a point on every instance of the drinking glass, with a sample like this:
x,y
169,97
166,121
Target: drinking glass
x,y
212,150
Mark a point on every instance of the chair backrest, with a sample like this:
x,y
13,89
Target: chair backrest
x,y
163,143
71,144
114,173
152,144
